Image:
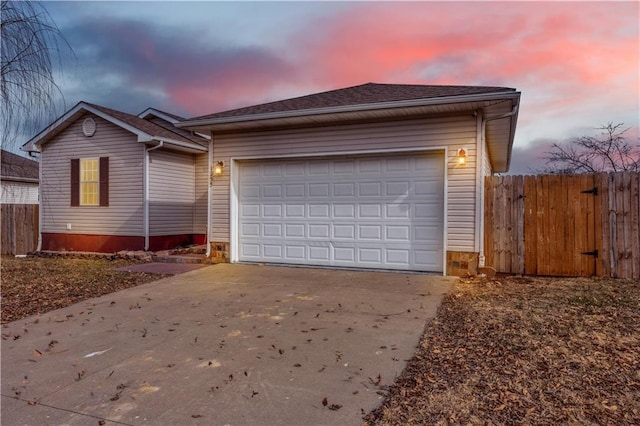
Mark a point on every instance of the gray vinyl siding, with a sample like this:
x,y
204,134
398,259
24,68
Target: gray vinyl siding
x,y
18,192
453,132
124,214
486,163
202,185
171,192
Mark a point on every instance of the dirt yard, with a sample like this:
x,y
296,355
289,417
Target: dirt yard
x,y
505,351
525,351
38,285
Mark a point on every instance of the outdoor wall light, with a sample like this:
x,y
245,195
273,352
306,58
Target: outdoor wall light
x,y
462,157
217,169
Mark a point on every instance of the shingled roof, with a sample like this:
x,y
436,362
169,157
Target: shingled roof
x,y
150,127
18,167
369,93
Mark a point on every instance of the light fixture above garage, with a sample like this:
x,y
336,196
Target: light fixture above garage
x,y
218,168
462,157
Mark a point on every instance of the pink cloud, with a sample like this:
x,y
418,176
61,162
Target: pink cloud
x,y
487,41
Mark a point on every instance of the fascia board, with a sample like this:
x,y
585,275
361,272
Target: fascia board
x,y
351,108
174,142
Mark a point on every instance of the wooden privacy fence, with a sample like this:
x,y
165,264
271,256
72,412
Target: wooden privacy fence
x,y
583,225
19,228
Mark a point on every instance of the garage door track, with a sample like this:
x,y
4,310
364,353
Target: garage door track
x,y
225,344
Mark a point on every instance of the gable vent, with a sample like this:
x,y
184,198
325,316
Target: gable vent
x,y
89,127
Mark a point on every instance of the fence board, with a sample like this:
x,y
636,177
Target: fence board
x,y
543,224
530,224
635,224
19,228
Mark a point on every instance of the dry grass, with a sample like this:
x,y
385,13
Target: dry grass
x,y
38,285
525,351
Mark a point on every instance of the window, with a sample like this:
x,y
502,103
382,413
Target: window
x,y
89,182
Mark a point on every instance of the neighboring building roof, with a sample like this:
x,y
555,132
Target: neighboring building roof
x,y
369,93
146,130
15,167
374,102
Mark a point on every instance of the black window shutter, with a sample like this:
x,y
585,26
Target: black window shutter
x,y
104,181
75,182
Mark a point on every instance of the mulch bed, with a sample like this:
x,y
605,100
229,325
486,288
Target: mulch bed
x,y
37,285
525,351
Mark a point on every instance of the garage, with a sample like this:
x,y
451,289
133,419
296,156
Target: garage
x,y
366,211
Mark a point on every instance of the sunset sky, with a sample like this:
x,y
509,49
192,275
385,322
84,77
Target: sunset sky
x,y
576,63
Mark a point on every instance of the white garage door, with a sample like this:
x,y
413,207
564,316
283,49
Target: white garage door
x,y
370,212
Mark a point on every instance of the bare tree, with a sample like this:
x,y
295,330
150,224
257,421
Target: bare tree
x,y
31,46
610,152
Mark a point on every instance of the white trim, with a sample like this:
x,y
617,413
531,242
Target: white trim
x,y
209,195
233,210
445,224
145,185
191,146
353,108
479,172
40,208
234,182
483,147
339,153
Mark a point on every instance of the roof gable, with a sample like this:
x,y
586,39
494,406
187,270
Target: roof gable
x,y
145,130
153,112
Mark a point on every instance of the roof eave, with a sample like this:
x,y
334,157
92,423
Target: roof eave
x,y
200,124
19,179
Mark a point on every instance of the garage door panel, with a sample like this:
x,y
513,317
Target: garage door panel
x,y
320,254
250,230
397,210
319,230
294,191
294,230
370,189
343,231
398,164
319,211
318,190
294,211
272,251
375,212
370,232
344,211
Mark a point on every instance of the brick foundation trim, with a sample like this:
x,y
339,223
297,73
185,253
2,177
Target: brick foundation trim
x,y
219,252
116,243
461,263
168,242
92,243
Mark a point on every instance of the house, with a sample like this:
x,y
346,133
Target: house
x,y
377,176
382,176
18,179
112,181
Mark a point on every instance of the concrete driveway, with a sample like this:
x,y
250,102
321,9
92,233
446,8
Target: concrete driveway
x,y
225,344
